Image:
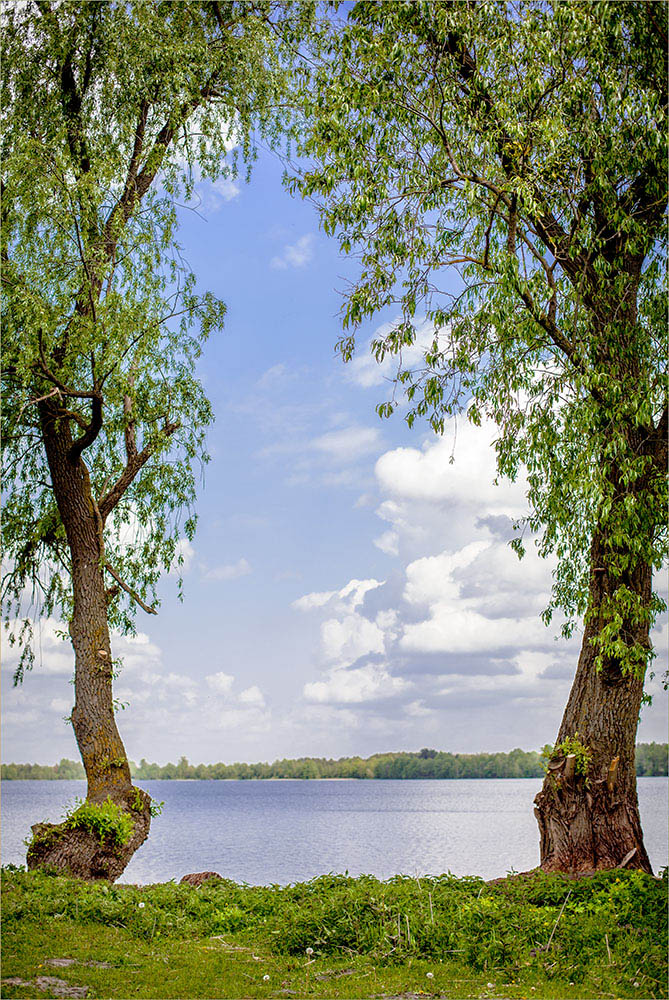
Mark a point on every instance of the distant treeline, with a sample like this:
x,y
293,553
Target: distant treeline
x,y
651,759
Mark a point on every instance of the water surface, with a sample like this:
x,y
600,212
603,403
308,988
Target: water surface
x,y
265,832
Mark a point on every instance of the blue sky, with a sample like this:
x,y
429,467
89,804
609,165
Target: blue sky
x,y
350,589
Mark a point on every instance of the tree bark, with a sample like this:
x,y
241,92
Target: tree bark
x,y
98,738
588,823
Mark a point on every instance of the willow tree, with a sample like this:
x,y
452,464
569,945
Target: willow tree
x,y
112,111
520,148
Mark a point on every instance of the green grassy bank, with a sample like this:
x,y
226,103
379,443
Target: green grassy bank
x,y
337,937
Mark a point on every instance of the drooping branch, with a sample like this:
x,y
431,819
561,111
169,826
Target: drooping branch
x,y
124,586
575,264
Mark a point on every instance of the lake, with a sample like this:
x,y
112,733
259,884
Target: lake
x,y
266,832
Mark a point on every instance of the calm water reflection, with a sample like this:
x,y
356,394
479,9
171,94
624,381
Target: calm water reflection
x,y
286,831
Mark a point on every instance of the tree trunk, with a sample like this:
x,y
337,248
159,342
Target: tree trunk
x,y
591,822
102,751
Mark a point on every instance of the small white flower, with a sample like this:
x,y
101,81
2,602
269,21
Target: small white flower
x,y
635,984
265,978
430,975
256,958
490,986
140,906
571,984
310,951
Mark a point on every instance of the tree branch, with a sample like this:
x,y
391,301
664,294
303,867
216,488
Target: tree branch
x,y
108,502
92,430
124,586
46,372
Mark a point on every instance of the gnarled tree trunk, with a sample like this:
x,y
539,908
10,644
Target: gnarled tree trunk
x,y
103,754
591,822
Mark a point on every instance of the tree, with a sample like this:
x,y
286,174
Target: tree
x,y
520,148
112,111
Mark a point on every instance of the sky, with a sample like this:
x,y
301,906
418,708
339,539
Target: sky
x,y
350,589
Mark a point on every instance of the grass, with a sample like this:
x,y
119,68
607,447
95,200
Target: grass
x,y
335,936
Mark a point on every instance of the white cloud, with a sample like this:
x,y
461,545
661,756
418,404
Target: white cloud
x,y
220,683
457,468
347,599
253,697
347,639
430,580
458,630
364,684
139,655
316,600
225,188
230,571
458,626
295,254
350,444
388,542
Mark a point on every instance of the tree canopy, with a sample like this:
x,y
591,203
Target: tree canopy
x,y
516,151
112,113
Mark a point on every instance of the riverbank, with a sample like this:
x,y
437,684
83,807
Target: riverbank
x,y
334,936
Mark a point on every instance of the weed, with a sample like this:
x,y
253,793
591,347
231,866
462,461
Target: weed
x,y
570,745
106,821
546,930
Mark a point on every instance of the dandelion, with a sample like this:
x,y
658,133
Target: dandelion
x,y
140,906
430,975
310,952
265,978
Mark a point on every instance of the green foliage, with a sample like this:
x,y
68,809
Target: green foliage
x,y
516,764
67,770
571,745
517,154
107,821
651,759
614,923
112,112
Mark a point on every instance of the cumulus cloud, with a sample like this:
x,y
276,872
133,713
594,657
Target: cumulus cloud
x,y
455,628
348,638
220,683
458,468
252,696
363,684
347,599
296,254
